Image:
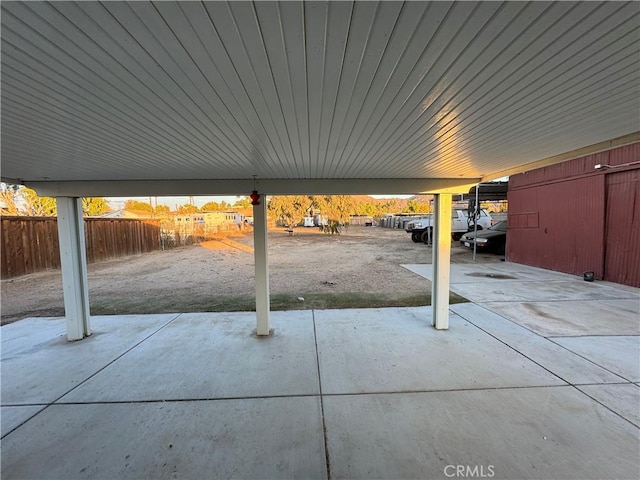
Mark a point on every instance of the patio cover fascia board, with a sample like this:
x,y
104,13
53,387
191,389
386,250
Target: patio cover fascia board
x,y
342,186
306,186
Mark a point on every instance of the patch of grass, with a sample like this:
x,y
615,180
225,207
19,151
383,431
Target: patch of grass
x,y
344,300
246,303
217,303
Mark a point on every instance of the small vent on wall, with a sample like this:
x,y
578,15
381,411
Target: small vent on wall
x,y
523,220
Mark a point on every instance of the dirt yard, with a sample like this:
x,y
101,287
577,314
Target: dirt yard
x,y
360,268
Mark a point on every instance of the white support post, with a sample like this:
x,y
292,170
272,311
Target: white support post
x,y
260,246
73,260
441,261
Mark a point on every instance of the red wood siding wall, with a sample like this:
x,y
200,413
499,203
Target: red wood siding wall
x,y
622,244
573,218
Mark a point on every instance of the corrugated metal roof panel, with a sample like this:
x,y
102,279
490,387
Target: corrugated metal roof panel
x,y
218,90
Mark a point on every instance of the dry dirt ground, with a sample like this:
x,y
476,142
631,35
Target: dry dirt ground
x,y
359,268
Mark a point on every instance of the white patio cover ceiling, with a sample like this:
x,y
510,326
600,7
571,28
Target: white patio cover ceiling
x,y
171,95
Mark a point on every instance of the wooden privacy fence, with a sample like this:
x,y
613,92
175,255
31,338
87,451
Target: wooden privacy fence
x,y
30,244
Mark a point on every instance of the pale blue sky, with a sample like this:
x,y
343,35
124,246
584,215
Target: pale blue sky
x,y
173,202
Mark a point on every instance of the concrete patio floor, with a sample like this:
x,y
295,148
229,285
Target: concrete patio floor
x,y
511,391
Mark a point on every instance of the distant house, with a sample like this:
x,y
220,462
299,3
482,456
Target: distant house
x,y
236,217
206,222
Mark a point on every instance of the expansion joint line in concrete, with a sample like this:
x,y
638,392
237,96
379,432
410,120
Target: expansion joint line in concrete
x,y
48,404
603,404
513,348
302,395
324,426
553,337
550,338
553,373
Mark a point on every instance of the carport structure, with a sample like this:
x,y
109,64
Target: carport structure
x,y
171,98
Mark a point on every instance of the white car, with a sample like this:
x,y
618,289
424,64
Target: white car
x,y
421,229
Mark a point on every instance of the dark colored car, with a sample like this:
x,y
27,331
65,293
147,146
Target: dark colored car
x,y
493,239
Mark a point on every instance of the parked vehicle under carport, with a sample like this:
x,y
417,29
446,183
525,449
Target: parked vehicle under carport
x,y
493,239
421,229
